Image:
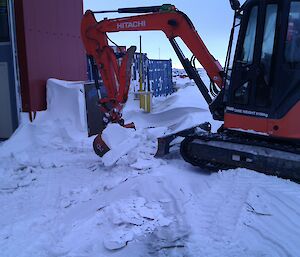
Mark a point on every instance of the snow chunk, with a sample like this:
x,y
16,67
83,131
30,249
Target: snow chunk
x,y
114,135
65,102
120,140
131,218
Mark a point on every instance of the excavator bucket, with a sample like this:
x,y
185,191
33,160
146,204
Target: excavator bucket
x,y
100,147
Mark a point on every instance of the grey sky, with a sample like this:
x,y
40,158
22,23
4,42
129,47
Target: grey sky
x,y
212,19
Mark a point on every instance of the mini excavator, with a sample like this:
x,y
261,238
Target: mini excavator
x,y
256,94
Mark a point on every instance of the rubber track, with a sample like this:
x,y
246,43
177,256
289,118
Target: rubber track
x,y
236,138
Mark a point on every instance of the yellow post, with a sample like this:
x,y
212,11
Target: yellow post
x,y
148,101
141,91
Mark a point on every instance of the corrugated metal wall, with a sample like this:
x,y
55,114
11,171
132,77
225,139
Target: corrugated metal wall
x,y
49,45
157,75
135,71
160,77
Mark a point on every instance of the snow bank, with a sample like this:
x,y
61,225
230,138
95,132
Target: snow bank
x,y
66,103
63,121
181,110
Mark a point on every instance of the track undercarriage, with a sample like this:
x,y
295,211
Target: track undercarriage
x,y
230,149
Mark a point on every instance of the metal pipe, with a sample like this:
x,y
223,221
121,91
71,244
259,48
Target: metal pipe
x,y
191,71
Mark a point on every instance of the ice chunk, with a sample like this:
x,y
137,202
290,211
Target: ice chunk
x,y
114,135
120,140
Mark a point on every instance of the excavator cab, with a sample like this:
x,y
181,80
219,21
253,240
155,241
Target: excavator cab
x,y
261,96
262,76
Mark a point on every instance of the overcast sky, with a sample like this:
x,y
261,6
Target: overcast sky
x,y
212,19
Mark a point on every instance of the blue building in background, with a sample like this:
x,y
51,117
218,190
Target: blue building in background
x,y
160,77
156,75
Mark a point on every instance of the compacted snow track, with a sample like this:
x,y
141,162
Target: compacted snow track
x,y
58,199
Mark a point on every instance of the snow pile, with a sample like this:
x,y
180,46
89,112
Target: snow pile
x,y
59,199
65,102
64,121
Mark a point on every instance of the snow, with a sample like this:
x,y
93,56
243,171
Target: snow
x,y
119,140
59,199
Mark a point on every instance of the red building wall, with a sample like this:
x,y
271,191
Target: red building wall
x,y
49,46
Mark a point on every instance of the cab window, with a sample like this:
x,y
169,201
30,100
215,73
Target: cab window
x,y
249,42
263,89
292,44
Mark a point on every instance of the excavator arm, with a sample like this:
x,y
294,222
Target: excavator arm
x,y
166,18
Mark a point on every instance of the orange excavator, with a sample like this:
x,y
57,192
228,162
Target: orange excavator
x,y
256,94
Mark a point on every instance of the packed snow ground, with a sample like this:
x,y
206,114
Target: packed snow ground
x,y
59,199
